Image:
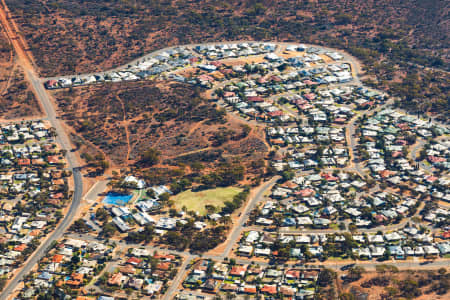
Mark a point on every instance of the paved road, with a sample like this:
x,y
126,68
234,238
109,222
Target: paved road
x,y
62,139
414,155
178,279
245,214
43,249
350,130
383,228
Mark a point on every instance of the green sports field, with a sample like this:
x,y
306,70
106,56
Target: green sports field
x,y
196,201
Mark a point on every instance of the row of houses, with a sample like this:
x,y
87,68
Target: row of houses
x,y
24,168
150,65
331,150
407,242
15,133
234,50
242,279
163,61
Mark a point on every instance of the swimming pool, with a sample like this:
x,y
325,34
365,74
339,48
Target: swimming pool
x,y
117,199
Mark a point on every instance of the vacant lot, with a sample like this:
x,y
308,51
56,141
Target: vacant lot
x,y
196,201
6,61
16,98
122,121
412,284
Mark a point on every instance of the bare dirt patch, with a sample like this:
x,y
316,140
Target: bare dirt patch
x,y
17,100
406,284
122,121
6,61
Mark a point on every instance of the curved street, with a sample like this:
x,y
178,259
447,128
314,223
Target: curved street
x,y
62,139
356,67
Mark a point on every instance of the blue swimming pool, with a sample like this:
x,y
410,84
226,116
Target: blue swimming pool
x,y
117,199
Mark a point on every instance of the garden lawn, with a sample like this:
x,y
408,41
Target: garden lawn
x,y
196,201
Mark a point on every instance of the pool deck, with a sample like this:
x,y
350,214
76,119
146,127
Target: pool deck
x,y
117,199
98,188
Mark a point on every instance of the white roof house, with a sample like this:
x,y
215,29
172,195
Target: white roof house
x,y
139,183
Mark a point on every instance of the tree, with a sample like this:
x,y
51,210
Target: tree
x,y
352,227
150,193
387,254
164,197
287,175
326,276
79,226
3,281
392,291
197,166
58,214
443,285
355,273
181,185
245,130
410,288
380,269
108,230
210,208
103,164
442,271
102,214
176,239
146,235
342,18
229,174
150,157
75,260
219,92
